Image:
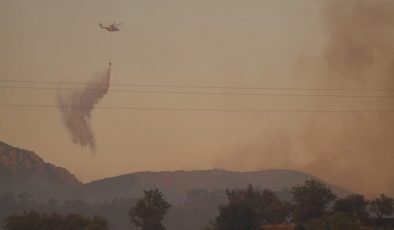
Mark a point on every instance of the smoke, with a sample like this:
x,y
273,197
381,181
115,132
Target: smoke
x,y
360,47
356,149
353,150
76,107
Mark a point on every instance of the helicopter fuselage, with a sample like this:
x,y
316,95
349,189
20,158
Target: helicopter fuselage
x,y
111,28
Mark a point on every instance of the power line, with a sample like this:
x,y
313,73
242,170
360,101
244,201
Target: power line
x,y
197,109
202,93
198,86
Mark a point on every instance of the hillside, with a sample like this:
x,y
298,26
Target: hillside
x,y
24,171
195,195
176,184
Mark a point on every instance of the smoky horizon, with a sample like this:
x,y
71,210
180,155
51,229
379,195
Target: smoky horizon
x,y
245,86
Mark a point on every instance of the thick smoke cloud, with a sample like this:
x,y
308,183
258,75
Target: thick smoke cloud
x,y
361,45
353,150
76,108
356,148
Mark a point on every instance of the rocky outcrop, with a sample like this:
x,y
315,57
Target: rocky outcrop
x,y
25,171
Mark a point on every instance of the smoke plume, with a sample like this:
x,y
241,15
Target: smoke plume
x,y
76,108
354,150
361,43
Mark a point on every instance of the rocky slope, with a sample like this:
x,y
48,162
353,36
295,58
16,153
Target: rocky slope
x,y
24,171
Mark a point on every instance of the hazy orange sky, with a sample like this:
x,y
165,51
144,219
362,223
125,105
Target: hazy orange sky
x,y
211,43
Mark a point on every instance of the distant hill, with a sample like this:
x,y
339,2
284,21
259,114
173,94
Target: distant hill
x,y
23,171
176,184
191,210
195,195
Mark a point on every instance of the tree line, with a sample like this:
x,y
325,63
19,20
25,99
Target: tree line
x,y
313,206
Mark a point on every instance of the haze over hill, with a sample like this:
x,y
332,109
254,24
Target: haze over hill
x,y
195,195
177,184
200,96
24,171
282,114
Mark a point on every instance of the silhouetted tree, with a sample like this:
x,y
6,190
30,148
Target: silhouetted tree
x,y
35,221
149,211
333,221
237,216
381,206
97,223
353,205
272,209
310,201
249,209
27,221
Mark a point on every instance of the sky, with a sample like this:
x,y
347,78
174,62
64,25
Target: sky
x,y
287,44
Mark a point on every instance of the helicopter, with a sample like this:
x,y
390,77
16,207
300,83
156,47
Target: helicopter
x,y
114,27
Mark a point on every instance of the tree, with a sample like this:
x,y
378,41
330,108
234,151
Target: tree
x,y
26,221
310,201
353,205
334,221
35,221
249,209
149,211
272,209
237,216
97,223
381,206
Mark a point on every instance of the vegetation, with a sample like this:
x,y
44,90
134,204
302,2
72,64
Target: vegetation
x,y
251,208
314,207
149,211
35,221
354,205
332,221
381,206
311,205
110,210
310,201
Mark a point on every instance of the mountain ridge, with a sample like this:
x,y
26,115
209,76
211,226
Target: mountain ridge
x,y
176,184
16,160
25,171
